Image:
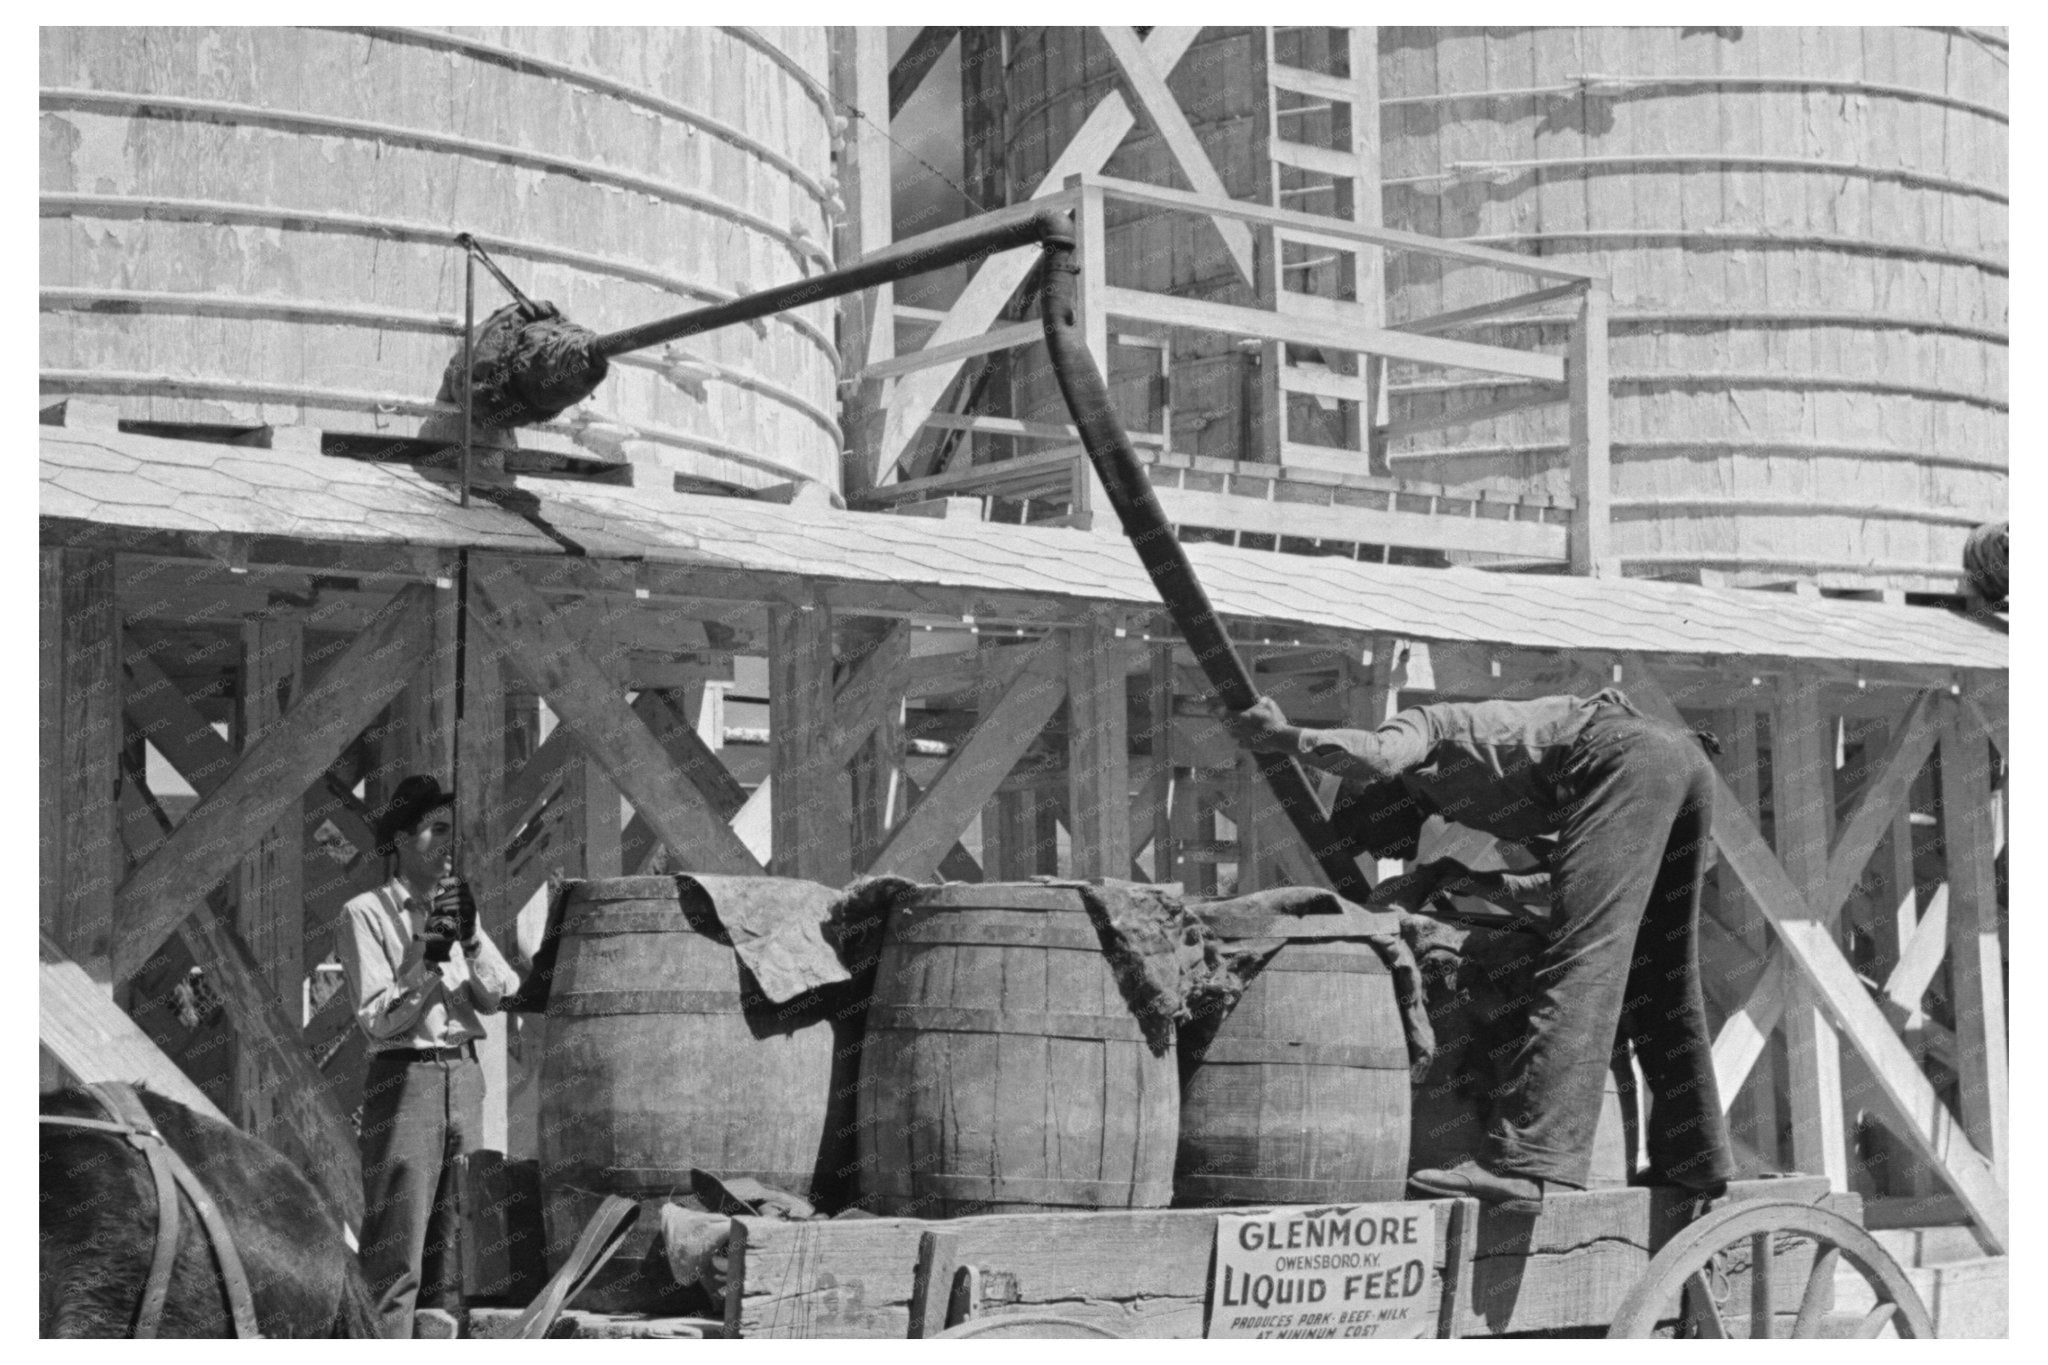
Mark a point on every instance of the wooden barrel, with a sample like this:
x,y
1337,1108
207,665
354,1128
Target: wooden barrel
x,y
1002,1071
662,1054
1301,1095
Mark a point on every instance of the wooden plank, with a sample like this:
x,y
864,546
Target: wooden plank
x,y
1160,790
95,1040
1458,317
1976,966
1313,227
995,339
79,717
528,637
1235,321
1098,750
281,1095
867,334
697,762
1145,1273
978,765
1477,412
1096,140
929,44
1803,799
1592,477
1142,1273
1344,521
270,904
871,692
1812,951
277,770
1147,79
810,812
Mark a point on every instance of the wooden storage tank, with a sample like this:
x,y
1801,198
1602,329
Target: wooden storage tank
x,y
251,226
1001,1071
1806,234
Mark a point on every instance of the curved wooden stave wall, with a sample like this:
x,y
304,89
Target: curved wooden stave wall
x,y
1809,340
249,227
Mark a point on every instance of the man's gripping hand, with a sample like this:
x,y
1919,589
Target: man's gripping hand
x,y
454,901
1262,728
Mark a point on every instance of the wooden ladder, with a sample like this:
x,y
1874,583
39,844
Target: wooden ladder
x,y
1338,174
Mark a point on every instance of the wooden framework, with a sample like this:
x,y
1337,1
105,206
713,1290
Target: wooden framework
x,y
897,395
921,731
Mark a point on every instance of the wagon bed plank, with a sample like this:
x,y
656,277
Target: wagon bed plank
x,y
1145,1273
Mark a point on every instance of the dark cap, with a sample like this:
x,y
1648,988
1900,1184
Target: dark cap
x,y
409,804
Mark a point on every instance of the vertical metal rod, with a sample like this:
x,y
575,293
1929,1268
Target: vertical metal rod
x,y
468,359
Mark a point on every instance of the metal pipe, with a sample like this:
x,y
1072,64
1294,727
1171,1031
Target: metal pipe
x,y
1144,521
468,357
1004,230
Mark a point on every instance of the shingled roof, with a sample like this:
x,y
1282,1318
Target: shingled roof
x,y
124,479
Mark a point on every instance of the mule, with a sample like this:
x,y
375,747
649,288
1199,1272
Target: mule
x,y
99,1224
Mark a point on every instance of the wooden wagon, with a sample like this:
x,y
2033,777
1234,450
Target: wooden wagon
x,y
1626,1262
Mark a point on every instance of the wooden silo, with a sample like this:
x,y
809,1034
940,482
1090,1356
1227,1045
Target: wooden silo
x,y
1805,229
252,227
1805,232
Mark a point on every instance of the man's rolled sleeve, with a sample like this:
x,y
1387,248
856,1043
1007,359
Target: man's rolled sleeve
x,y
387,1002
491,978
1369,755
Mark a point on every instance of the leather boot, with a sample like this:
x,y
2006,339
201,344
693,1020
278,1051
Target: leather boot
x,y
1518,1194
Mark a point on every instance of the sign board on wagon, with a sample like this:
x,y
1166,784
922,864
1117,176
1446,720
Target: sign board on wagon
x,y
1348,1271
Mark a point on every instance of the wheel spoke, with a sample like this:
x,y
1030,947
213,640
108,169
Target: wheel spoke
x,y
1760,1285
1814,1303
1874,1321
1701,1310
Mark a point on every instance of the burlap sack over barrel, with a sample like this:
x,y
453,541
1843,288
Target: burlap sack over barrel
x,y
1003,1069
692,1022
1478,986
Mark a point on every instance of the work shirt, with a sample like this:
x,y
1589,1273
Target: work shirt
x,y
403,1001
1495,766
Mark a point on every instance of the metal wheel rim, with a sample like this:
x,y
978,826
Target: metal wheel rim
x,y
1836,1238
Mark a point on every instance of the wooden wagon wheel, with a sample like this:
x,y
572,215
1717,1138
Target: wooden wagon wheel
x,y
1029,1325
1687,1266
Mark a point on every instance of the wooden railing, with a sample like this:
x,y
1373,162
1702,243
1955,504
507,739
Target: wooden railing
x,y
1287,486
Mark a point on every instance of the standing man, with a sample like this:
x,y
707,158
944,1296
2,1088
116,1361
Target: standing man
x,y
1629,803
422,970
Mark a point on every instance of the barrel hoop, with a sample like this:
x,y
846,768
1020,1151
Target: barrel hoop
x,y
600,921
996,896
645,1002
1110,1028
1101,1194
1063,931
1278,1051
1358,964
1247,1189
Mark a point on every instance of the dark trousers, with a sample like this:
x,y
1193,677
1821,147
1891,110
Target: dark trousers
x,y
1622,959
417,1117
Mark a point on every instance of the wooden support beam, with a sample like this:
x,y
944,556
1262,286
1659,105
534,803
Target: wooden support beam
x,y
696,761
526,635
810,810
919,58
1160,790
1976,966
958,865
917,396
1098,750
279,1094
1813,953
95,1040
420,736
79,724
1147,81
270,903
867,728
267,778
981,762
1592,478
1876,810
867,332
